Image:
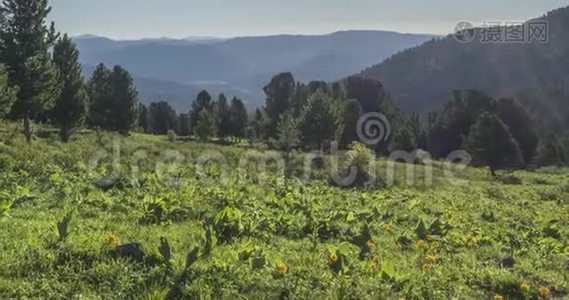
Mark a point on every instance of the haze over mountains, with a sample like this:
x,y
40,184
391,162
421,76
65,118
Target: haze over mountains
x,y
419,71
176,70
422,78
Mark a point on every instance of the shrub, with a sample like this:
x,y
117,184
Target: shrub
x,y
171,136
363,159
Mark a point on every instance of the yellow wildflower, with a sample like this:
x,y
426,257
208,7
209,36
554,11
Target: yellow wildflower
x,y
373,266
334,257
430,259
427,267
282,268
436,245
543,291
370,245
498,297
373,263
525,287
421,244
387,227
112,239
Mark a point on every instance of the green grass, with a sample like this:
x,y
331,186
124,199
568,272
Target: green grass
x,y
478,221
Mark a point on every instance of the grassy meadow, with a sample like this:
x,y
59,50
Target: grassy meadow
x,y
204,232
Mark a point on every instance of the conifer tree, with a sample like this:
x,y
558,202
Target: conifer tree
x,y
205,126
257,126
223,114
162,117
99,89
521,125
25,40
352,113
320,119
280,94
238,118
114,99
202,102
184,125
288,135
490,143
143,122
551,152
123,110
70,106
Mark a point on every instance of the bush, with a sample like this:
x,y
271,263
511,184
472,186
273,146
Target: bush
x,y
171,135
363,159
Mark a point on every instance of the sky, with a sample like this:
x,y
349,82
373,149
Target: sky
x,y
135,19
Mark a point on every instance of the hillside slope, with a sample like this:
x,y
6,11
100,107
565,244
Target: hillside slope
x,y
421,78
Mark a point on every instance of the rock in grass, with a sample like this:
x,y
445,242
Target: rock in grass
x,y
108,183
507,262
131,251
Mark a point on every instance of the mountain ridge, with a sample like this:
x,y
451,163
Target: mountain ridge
x,y
245,64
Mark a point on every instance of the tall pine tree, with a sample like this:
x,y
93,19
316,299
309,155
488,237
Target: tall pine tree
x,y
490,143
239,118
123,111
143,122
280,94
202,102
205,127
114,99
184,125
321,119
162,117
351,115
70,106
25,40
100,93
223,115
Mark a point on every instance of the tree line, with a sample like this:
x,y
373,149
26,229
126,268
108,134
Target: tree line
x,y
41,80
41,77
498,133
207,118
295,115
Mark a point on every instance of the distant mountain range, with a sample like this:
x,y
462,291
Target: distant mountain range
x,y
177,69
537,73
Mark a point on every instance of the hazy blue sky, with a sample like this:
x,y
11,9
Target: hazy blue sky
x,y
130,19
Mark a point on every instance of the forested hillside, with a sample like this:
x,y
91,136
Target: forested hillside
x,y
421,78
